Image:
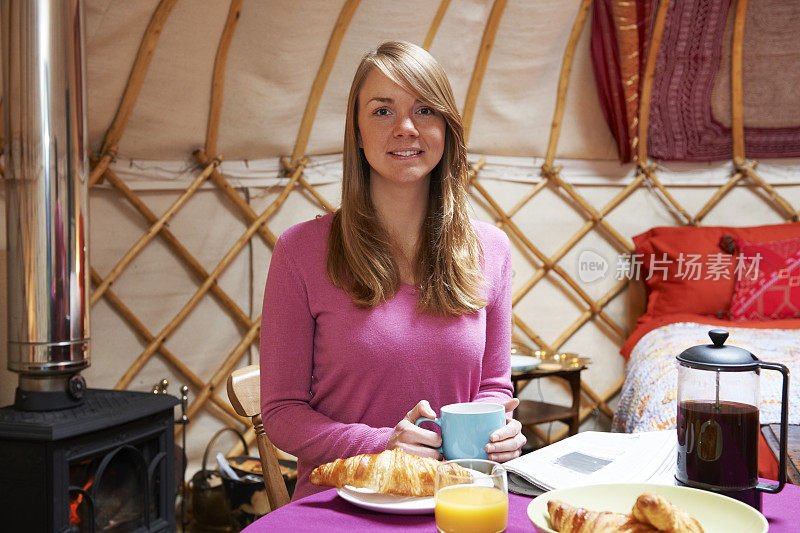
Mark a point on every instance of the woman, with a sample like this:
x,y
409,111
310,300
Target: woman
x,y
397,303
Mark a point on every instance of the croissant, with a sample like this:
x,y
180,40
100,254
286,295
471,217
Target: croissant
x,y
570,519
391,472
652,509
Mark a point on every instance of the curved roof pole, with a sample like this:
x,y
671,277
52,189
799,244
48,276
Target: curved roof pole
x,y
553,173
318,87
737,127
2,136
297,159
643,170
316,93
485,50
647,80
742,168
218,80
563,83
209,152
135,81
505,219
737,106
437,20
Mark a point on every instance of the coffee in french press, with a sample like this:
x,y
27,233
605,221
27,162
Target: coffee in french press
x,y
718,420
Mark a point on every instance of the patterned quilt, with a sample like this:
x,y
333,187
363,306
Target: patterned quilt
x,y
648,400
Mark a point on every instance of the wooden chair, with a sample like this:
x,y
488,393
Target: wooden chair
x,y
244,394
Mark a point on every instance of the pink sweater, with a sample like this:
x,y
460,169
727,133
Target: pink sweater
x,y
336,379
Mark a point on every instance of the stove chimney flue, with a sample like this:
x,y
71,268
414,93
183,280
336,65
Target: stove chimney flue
x,y
44,99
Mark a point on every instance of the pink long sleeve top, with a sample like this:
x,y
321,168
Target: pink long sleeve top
x,y
336,379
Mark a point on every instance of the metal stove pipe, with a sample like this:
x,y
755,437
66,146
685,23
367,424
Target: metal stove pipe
x,y
44,101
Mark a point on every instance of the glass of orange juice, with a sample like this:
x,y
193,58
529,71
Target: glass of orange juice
x,y
477,505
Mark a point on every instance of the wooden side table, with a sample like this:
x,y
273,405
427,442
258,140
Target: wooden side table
x,y
771,433
531,413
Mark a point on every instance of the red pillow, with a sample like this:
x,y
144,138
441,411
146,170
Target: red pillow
x,y
771,288
669,290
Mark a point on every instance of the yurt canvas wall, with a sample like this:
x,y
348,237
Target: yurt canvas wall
x,y
263,85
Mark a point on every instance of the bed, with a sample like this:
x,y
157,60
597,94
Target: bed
x,y
648,400
680,312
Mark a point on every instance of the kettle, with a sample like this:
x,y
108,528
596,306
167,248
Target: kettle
x,y
718,420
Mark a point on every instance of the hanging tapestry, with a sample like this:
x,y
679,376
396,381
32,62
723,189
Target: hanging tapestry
x,y
690,104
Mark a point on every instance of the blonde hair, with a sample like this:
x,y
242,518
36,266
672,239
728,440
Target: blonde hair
x,y
448,267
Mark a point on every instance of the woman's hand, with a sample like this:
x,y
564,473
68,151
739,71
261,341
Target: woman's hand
x,y
414,439
506,443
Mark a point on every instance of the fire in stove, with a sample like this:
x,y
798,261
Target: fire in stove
x,y
118,501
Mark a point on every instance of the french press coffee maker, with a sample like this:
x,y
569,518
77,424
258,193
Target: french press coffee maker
x,y
718,422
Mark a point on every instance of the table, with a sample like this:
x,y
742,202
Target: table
x,y
771,434
326,511
531,412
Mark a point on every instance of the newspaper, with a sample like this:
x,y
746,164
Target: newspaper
x,y
593,457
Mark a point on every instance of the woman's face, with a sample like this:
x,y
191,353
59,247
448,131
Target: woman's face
x,y
402,137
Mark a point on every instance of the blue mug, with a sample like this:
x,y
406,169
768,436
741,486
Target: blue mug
x,y
466,428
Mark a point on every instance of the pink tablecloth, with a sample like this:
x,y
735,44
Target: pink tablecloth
x,y
325,511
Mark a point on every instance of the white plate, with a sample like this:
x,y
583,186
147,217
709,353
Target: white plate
x,y
387,503
716,513
391,503
523,363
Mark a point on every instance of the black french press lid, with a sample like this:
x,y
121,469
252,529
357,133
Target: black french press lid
x,y
718,356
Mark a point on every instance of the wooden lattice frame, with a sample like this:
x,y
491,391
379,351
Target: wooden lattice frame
x,y
208,160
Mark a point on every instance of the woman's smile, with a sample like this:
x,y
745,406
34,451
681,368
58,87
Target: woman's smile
x,y
406,154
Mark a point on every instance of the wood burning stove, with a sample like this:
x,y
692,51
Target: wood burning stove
x,y
70,459
106,465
